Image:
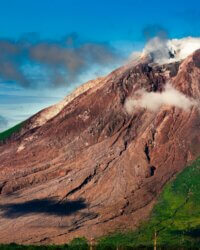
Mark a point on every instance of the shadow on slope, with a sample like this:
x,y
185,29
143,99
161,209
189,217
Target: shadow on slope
x,y
44,206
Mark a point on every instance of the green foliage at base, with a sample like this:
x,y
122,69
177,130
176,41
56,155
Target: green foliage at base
x,y
78,243
8,133
31,247
75,244
175,218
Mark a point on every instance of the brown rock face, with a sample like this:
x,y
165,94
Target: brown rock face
x,y
93,168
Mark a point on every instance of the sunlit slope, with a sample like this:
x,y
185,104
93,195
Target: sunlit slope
x,y
175,218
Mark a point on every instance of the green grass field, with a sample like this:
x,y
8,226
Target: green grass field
x,y
8,133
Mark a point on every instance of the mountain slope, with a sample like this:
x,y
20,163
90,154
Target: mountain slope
x,y
93,167
175,218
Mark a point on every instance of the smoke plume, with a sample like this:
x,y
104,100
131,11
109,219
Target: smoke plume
x,y
166,51
31,62
160,49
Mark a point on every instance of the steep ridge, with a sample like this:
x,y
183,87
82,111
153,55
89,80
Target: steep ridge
x,y
91,167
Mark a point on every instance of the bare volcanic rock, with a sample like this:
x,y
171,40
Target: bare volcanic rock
x,y
87,167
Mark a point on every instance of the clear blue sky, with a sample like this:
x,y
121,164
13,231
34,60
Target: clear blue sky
x,y
114,22
98,20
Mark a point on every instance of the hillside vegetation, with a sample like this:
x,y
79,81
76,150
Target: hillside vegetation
x,y
9,132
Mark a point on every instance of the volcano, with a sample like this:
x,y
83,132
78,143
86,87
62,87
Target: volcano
x,y
87,166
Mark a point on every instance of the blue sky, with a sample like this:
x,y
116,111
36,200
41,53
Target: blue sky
x,y
114,27
97,20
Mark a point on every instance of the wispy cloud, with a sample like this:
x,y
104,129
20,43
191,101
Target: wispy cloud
x,y
31,62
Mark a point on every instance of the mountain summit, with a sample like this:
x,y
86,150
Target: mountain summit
x,y
96,162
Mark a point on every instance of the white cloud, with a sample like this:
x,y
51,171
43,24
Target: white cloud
x,y
153,101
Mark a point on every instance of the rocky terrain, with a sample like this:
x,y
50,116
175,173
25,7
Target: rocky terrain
x,y
87,166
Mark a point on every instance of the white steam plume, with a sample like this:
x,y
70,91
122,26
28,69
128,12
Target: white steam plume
x,y
153,101
162,50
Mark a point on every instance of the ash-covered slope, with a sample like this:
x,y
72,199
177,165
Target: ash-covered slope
x,y
95,166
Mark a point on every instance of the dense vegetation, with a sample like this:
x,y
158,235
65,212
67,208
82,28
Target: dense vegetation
x,y
76,244
9,132
175,220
